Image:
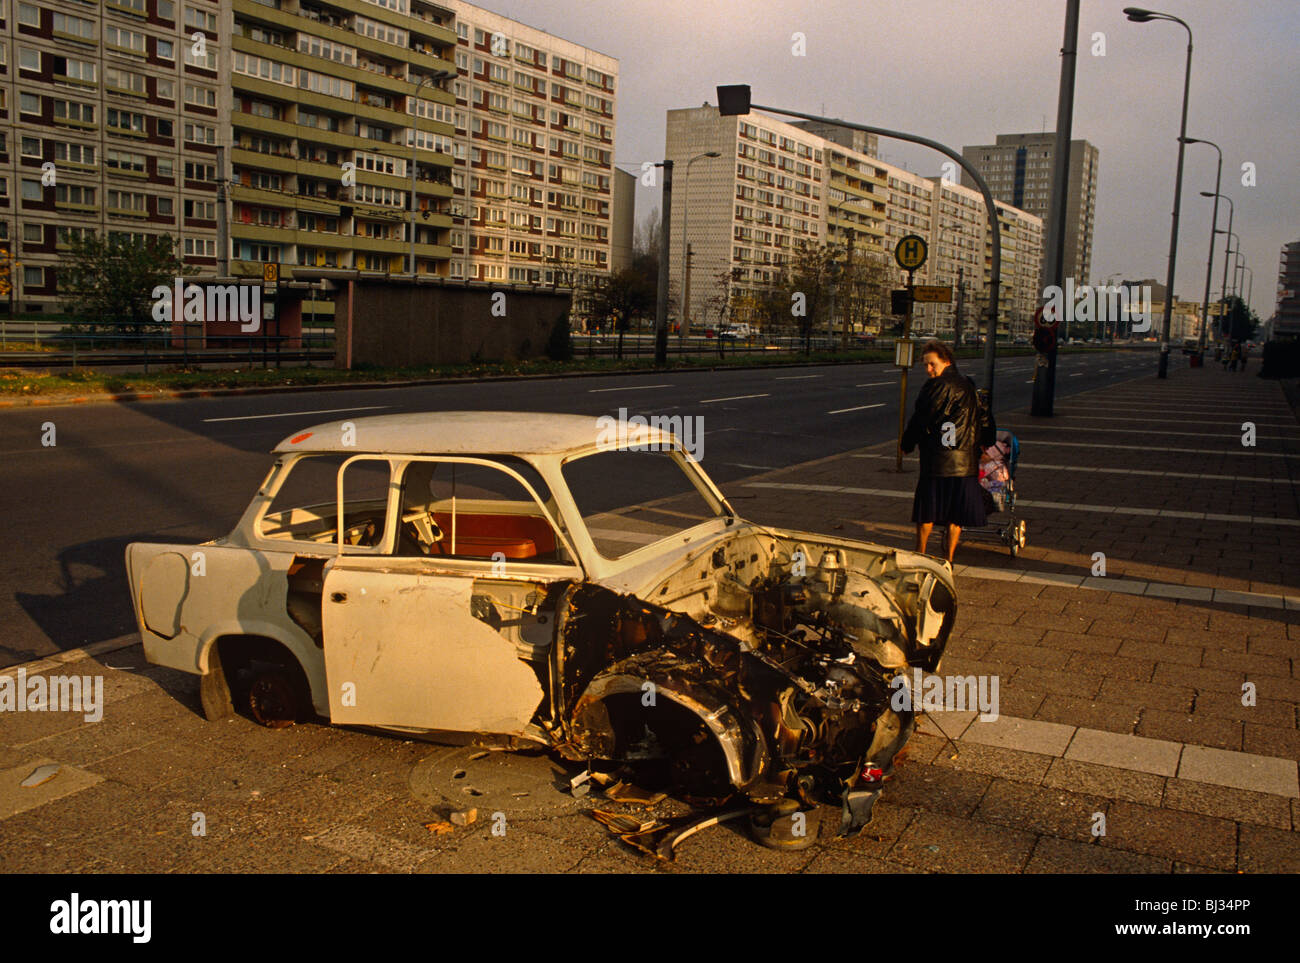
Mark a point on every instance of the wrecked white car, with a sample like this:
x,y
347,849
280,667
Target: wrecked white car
x,y
518,576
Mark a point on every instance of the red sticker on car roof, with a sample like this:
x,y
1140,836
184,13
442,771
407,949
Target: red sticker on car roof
x,y
297,438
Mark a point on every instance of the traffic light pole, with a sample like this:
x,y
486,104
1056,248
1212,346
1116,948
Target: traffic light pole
x,y
734,99
902,381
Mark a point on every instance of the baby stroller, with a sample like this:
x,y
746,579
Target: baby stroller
x,y
998,480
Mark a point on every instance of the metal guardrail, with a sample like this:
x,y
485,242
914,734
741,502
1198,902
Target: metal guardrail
x,y
114,345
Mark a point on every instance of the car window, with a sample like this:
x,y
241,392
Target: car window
x,y
365,484
464,510
630,498
305,508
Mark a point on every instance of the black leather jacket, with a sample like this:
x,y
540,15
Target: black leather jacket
x,y
949,398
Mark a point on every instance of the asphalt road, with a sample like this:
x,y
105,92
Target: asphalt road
x,y
185,470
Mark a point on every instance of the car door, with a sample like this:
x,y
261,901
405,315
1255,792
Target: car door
x,y
454,635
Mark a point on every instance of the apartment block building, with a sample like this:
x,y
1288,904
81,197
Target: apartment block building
x,y
775,185
110,116
326,96
1018,169
322,107
533,199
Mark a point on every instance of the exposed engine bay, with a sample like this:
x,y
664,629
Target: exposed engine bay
x,y
768,676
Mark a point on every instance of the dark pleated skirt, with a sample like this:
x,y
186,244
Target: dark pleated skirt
x,y
949,501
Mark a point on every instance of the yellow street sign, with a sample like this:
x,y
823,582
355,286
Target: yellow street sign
x,y
934,293
910,252
270,273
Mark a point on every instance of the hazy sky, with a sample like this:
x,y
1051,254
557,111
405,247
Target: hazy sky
x,y
962,71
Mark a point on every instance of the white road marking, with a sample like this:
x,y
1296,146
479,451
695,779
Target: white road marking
x,y
1190,451
1055,506
795,377
593,391
840,411
875,384
709,401
1181,421
1025,466
1078,374
1155,431
737,464
291,414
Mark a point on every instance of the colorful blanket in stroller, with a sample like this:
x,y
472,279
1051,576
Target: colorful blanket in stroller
x,y
995,473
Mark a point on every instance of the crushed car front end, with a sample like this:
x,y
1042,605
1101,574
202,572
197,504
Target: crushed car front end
x,y
762,667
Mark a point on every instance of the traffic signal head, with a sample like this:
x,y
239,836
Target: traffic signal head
x,y
733,100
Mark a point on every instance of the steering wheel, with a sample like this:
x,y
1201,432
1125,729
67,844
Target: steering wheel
x,y
422,529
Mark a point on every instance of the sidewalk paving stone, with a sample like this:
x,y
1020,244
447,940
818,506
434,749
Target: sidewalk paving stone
x,y
950,844
1052,855
1239,770
1108,781
1026,735
1225,802
1179,727
1169,834
1125,751
1267,850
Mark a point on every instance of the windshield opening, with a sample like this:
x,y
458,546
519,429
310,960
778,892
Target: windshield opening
x,y
629,499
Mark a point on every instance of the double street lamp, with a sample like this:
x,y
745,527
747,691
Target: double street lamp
x,y
1214,224
684,324
1140,15
1227,246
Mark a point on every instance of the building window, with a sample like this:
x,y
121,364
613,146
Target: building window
x,y
200,134
166,10
72,110
125,120
166,50
200,96
33,277
29,59
199,19
208,61
120,37
166,89
32,190
124,161
29,15
83,154
127,80
74,194
29,103
166,206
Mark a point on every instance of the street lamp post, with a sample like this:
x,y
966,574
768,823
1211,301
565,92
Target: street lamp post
x,y
684,327
1250,288
734,99
661,305
1139,15
1236,272
1209,264
1223,288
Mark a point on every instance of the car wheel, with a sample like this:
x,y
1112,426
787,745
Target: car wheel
x,y
274,698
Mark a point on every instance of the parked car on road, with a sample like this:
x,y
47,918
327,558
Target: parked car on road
x,y
554,580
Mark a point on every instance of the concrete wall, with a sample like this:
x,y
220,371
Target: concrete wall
x,y
400,324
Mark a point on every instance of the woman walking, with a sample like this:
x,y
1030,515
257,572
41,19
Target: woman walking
x,y
951,430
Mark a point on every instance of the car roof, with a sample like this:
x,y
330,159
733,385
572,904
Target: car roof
x,y
468,432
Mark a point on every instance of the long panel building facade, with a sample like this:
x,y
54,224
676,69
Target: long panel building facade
x,y
321,107
776,185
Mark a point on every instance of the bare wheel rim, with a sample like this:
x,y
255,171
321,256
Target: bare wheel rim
x,y
272,700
